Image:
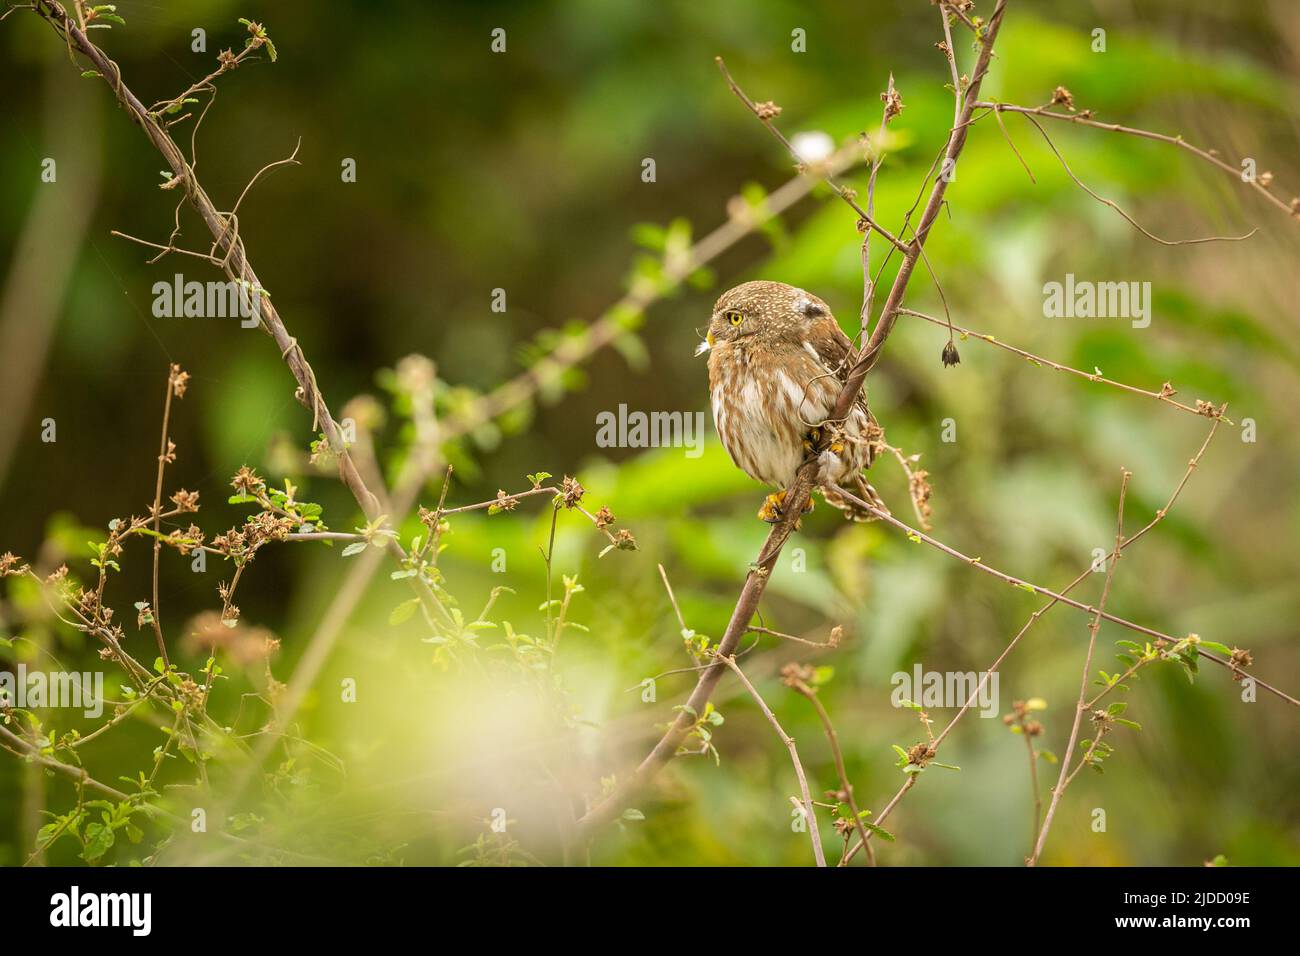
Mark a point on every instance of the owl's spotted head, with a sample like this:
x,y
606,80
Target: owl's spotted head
x,y
767,311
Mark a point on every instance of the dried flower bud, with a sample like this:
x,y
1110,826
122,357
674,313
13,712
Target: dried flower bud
x,y
893,101
186,501
571,492
247,482
178,380
10,563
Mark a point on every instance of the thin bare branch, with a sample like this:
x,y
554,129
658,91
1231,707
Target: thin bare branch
x,y
807,806
1084,118
1093,627
1203,409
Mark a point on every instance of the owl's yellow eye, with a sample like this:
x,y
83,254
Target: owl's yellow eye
x,y
734,317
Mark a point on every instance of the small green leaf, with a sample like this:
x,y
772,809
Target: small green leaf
x,y
878,831
99,840
403,611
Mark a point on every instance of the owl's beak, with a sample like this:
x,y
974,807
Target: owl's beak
x,y
705,345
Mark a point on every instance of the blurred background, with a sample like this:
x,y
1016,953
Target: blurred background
x,y
523,171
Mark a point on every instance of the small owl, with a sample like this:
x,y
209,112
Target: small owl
x,y
777,362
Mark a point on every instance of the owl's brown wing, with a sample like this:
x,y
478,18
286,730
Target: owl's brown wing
x,y
837,354
833,347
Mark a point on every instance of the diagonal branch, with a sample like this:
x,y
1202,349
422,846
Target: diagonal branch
x,y
237,267
956,142
756,581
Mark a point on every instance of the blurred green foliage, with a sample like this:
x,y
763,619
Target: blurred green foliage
x,y
521,171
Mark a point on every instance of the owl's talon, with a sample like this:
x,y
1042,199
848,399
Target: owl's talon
x,y
774,506
771,509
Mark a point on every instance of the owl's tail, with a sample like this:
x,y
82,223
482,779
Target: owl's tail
x,y
851,510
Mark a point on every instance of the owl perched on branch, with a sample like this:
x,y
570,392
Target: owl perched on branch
x,y
777,362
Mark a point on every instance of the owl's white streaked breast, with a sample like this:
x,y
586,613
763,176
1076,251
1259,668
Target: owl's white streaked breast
x,y
764,406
